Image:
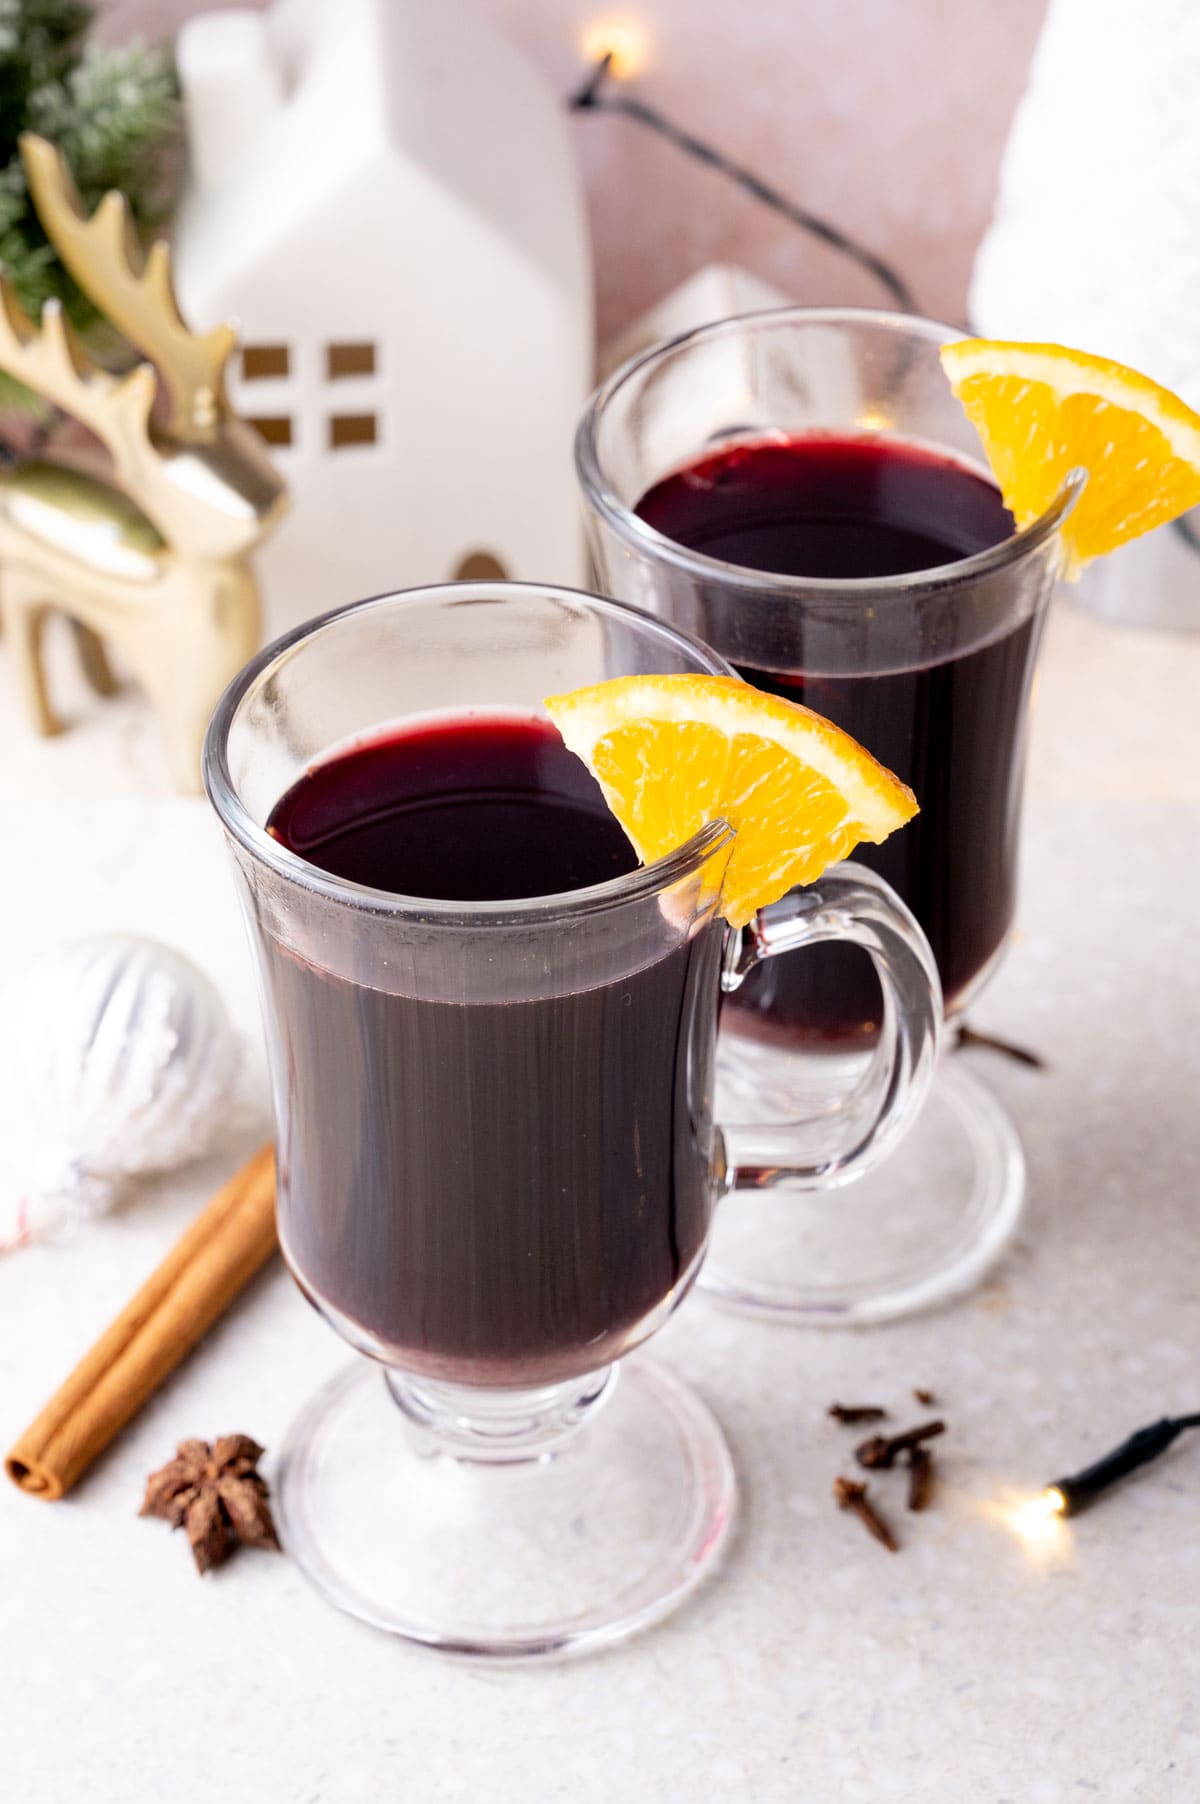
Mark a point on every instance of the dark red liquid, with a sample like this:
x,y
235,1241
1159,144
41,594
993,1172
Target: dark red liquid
x,y
495,1192
953,730
474,808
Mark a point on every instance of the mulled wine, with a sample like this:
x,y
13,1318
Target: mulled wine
x,y
825,506
493,1192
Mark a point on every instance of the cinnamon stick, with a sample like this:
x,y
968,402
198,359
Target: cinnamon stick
x,y
207,1267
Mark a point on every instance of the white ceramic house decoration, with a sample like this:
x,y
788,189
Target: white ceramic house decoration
x,y
717,291
383,194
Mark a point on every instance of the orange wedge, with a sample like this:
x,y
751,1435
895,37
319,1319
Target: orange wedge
x,y
673,752
1043,410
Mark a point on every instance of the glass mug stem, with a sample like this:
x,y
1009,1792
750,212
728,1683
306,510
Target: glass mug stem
x,y
498,1427
849,904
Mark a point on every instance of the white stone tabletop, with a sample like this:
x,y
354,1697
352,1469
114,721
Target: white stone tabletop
x,y
973,1667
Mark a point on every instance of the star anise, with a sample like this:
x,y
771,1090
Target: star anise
x,y
216,1494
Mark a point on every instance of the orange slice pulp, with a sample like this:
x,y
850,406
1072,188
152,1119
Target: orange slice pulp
x,y
671,753
1043,410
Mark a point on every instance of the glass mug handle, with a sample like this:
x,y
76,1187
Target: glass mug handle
x,y
831,1147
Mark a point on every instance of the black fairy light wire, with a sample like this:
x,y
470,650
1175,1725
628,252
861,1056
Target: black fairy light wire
x,y
595,97
1068,1496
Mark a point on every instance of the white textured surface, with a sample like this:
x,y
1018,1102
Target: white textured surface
x,y
817,1667
1095,239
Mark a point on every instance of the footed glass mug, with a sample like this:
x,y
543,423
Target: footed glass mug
x,y
497,1155
800,489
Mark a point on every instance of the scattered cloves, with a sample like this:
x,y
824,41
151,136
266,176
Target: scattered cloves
x,y
920,1477
881,1450
852,1496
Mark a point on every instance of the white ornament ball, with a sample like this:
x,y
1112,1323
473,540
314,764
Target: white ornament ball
x,y
121,1061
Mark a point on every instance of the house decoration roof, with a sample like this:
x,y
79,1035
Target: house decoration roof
x,y
424,81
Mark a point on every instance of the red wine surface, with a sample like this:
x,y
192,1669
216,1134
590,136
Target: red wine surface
x,y
823,506
953,730
487,1192
469,808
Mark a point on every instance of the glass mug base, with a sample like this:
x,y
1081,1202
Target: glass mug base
x,y
561,1539
922,1228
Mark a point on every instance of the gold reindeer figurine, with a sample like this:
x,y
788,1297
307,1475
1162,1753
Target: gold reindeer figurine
x,y
151,558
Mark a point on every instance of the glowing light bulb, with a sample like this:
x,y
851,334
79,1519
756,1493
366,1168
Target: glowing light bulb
x,y
1038,1524
624,40
1038,1517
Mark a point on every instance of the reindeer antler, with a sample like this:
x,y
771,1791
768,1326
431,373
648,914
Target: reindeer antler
x,y
55,365
103,256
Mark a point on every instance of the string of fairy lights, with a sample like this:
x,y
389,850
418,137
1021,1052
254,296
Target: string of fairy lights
x,y
617,53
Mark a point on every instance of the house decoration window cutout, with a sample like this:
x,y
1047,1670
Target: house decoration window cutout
x,y
349,360
384,193
261,362
351,429
272,428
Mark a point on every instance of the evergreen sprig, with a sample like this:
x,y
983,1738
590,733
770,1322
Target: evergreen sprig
x,y
114,113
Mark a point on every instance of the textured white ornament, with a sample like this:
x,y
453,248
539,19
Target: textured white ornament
x,y
120,1061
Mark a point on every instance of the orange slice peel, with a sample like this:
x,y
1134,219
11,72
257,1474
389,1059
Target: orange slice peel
x,y
1043,410
671,753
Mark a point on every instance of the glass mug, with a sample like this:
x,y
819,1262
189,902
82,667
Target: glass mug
x,y
496,1147
932,672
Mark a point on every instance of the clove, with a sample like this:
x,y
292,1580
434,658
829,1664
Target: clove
x,y
856,1412
881,1450
920,1477
852,1496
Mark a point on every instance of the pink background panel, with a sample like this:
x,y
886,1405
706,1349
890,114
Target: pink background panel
x,y
888,117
